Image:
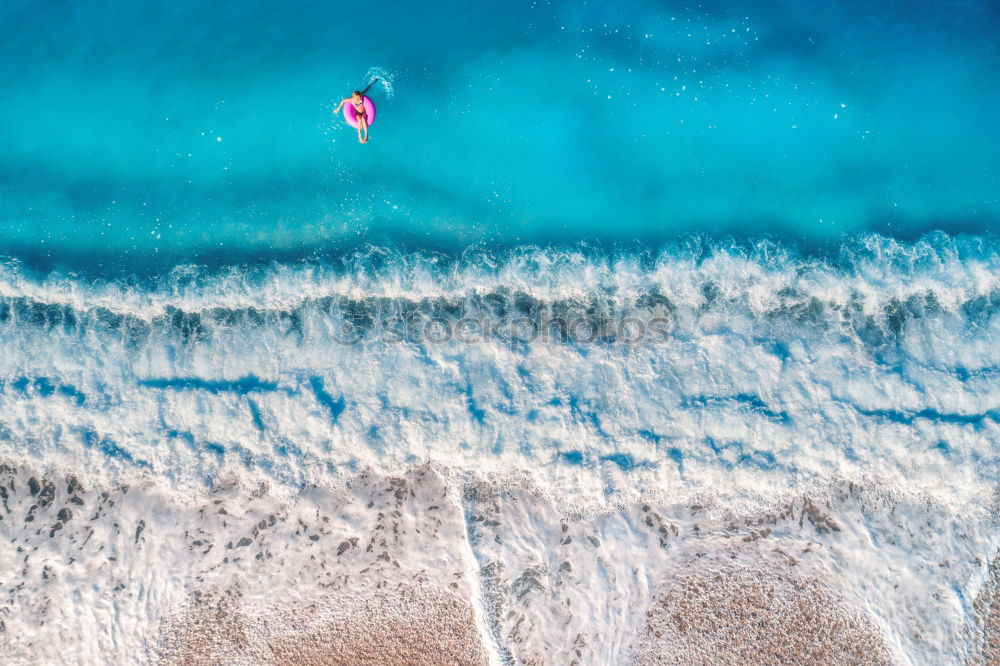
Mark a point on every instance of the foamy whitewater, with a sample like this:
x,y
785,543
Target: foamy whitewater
x,y
640,332
713,454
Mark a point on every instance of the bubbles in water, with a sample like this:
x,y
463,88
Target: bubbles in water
x,y
385,80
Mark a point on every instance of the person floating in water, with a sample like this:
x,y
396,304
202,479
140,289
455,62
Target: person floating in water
x,y
357,99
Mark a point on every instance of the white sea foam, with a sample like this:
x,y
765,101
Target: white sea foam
x,y
771,378
760,370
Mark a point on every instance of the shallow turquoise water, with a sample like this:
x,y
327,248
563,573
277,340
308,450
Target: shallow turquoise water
x,y
141,136
717,256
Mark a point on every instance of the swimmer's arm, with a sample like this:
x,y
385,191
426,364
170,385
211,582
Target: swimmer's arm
x,y
342,103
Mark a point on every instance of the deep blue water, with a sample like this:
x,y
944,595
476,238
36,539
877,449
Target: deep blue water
x,y
138,136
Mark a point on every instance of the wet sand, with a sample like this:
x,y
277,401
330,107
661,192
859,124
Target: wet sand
x,y
413,627
755,617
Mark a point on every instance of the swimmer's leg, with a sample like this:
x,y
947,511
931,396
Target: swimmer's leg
x,y
363,125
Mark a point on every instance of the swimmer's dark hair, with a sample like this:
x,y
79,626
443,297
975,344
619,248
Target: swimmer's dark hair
x,y
358,93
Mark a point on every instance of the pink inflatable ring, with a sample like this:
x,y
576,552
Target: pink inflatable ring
x,y
352,118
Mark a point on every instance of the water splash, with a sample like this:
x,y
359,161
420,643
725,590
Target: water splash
x,y
386,80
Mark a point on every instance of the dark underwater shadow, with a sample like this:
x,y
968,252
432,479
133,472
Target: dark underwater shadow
x,y
147,266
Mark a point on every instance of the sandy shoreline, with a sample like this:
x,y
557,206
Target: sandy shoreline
x,y
425,568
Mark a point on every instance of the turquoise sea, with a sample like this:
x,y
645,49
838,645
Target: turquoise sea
x,y
141,135
713,262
